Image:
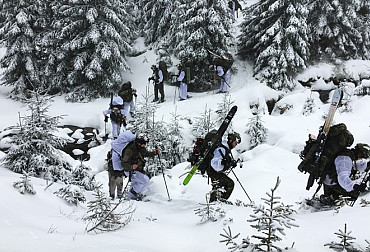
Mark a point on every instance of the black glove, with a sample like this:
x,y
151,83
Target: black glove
x,y
234,163
106,119
359,187
150,78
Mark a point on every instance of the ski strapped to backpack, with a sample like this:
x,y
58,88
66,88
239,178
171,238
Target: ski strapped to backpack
x,y
225,61
317,155
214,143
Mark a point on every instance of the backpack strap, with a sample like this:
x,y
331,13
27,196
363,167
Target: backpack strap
x,y
228,155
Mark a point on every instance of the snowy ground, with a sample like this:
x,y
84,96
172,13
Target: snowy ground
x,y
44,222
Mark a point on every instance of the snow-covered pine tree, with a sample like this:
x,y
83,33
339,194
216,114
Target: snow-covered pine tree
x,y
256,131
157,18
274,36
174,141
271,220
93,40
308,106
223,109
34,147
144,116
346,243
71,193
228,239
102,216
363,25
144,122
25,185
201,26
334,31
22,26
204,123
346,102
82,176
210,211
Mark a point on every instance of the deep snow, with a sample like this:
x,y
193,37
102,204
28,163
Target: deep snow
x,y
44,222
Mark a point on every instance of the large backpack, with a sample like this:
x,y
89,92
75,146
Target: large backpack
x,y
163,68
126,92
116,115
119,144
200,148
189,71
337,140
225,62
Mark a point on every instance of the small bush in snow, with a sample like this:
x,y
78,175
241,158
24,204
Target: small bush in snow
x,y
81,176
24,186
210,211
308,106
34,148
256,131
269,220
346,242
71,193
102,216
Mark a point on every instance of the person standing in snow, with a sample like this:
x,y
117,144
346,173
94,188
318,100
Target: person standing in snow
x,y
221,162
117,115
157,77
234,6
133,163
339,182
127,93
116,172
224,78
183,83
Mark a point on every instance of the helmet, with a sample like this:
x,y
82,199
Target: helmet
x,y
142,139
235,137
362,150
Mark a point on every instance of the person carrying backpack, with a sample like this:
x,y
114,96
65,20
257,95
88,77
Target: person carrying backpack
x,y
157,77
339,182
127,93
117,115
133,163
224,78
183,83
221,162
116,172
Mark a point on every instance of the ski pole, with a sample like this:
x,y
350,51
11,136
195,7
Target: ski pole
x,y
241,186
128,181
164,178
364,180
174,98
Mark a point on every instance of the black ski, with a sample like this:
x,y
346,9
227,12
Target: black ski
x,y
216,140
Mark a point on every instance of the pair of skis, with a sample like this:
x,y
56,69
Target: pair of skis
x,y
317,148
